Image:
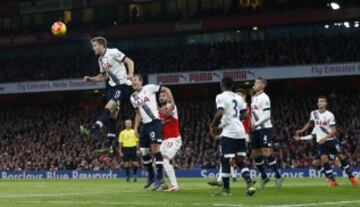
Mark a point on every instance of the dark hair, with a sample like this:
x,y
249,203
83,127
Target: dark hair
x,y
322,97
101,40
139,77
227,82
241,90
262,80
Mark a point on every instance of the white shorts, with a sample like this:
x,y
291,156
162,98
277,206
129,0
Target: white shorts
x,y
169,147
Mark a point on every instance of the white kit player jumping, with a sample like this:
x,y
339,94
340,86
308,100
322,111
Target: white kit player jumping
x,y
113,65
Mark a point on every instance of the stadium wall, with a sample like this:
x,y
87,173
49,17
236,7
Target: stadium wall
x,y
189,173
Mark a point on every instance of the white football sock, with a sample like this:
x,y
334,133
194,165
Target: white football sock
x,y
219,178
170,172
233,173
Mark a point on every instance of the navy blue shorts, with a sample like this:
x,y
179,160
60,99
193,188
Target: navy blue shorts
x,y
118,93
129,154
332,157
151,134
330,147
261,138
233,147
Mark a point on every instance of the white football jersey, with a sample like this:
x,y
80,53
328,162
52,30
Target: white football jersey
x,y
259,104
112,64
322,123
231,125
145,101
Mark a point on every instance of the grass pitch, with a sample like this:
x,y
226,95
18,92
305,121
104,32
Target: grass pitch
x,y
194,192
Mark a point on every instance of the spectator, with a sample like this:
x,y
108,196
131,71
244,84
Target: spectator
x,y
191,57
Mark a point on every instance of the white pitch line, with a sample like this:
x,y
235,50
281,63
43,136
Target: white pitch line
x,y
43,195
185,204
104,203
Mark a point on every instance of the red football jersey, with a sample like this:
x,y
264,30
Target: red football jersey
x,y
170,125
246,122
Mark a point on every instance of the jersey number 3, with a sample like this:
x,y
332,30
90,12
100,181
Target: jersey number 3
x,y
235,108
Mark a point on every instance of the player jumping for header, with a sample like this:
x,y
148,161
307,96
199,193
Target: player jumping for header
x,y
113,65
147,112
233,144
324,132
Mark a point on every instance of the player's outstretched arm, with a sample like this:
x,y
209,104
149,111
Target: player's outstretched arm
x,y
130,66
98,78
307,137
306,127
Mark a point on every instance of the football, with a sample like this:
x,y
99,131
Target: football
x,y
58,28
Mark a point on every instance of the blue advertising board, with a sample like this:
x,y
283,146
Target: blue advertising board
x,y
189,173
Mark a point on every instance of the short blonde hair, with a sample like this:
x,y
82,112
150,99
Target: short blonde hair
x,y
101,40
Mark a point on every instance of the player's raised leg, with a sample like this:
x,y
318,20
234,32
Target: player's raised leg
x,y
335,149
328,171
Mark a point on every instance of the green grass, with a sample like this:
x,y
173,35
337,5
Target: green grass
x,y
193,192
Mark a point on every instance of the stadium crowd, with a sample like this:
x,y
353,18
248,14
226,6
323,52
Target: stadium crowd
x,y
190,57
137,15
47,138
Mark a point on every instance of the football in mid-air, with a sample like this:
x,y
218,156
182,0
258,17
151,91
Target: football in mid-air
x,y
58,28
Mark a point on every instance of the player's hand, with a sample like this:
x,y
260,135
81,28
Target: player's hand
x,y
130,77
298,132
138,153
213,133
87,78
297,137
253,127
136,133
121,154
